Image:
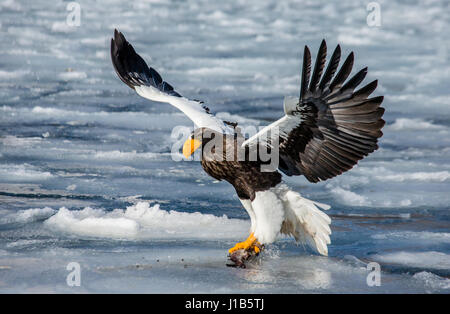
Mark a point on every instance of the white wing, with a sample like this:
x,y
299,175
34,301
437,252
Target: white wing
x,y
191,108
134,72
278,129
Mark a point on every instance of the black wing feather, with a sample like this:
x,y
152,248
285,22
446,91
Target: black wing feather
x,y
343,73
132,69
331,69
338,127
306,71
318,68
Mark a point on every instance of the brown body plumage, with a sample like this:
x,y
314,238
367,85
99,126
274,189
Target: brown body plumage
x,y
233,163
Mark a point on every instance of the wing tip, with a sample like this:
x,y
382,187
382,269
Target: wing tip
x,y
132,69
117,45
306,51
118,37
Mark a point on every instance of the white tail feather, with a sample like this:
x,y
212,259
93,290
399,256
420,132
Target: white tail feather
x,y
280,210
306,222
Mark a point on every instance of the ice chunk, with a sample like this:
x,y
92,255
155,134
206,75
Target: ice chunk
x,y
142,221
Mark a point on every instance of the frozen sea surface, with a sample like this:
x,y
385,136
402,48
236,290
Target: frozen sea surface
x,y
87,173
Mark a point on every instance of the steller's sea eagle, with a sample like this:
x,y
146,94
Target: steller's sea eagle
x,y
322,134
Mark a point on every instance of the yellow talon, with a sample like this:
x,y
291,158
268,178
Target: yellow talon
x,y
250,244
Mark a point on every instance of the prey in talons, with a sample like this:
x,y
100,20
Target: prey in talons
x,y
244,252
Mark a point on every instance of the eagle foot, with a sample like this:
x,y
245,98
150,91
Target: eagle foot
x,y
251,245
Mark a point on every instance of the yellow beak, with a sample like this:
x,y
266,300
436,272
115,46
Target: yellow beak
x,y
190,146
